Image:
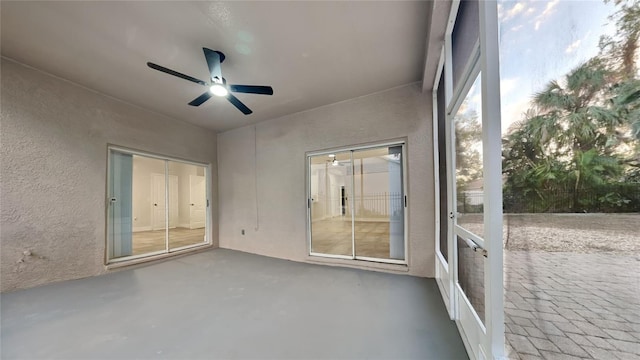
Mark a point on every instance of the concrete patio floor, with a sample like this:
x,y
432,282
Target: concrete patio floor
x,y
561,305
227,304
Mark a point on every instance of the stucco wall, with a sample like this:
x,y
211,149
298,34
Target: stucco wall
x,y
53,154
262,172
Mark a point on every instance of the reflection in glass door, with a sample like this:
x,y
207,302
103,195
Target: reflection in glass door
x,y
189,198
156,205
331,214
379,203
357,204
468,184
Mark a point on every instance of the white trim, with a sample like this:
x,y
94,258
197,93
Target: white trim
x,y
353,203
453,14
134,257
450,160
381,260
400,141
191,246
139,259
166,205
492,169
470,71
442,286
154,156
347,257
436,153
405,202
468,235
107,248
468,303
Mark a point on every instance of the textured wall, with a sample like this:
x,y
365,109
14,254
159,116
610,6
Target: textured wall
x,y
270,157
53,162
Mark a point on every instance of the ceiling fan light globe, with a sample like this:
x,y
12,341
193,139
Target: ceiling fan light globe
x,y
218,90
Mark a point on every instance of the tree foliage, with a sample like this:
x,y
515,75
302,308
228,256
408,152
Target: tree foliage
x,y
582,132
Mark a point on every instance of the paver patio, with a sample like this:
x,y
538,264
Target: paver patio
x,y
561,305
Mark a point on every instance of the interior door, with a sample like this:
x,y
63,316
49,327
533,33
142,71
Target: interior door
x,y
197,201
158,202
173,201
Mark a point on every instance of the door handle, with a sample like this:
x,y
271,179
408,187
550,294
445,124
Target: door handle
x,y
155,204
192,204
451,216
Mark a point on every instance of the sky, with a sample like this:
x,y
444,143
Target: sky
x,y
542,41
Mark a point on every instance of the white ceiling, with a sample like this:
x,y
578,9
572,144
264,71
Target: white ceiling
x,y
311,53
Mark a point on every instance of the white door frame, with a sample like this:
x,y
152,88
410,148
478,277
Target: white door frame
x,y
481,341
444,272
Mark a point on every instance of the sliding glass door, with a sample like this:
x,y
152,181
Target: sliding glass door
x,y
357,204
155,205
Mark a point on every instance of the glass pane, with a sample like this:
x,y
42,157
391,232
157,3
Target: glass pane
x,y
468,156
330,177
187,204
119,229
379,203
149,218
464,37
471,276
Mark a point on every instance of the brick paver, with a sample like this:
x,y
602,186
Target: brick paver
x,y
572,306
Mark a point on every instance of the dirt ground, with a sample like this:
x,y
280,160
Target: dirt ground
x,y
581,233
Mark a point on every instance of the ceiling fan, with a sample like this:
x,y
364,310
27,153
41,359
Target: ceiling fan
x,y
218,85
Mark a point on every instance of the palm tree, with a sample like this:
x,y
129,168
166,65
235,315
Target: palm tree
x,y
564,141
571,115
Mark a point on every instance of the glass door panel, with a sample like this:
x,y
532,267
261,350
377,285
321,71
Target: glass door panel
x,y
120,225
378,203
330,204
187,204
468,222
467,125
149,210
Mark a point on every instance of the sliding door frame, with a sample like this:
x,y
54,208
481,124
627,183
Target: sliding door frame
x,y
167,250
405,199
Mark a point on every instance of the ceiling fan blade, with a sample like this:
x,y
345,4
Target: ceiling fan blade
x,y
200,99
175,73
237,103
214,59
252,89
